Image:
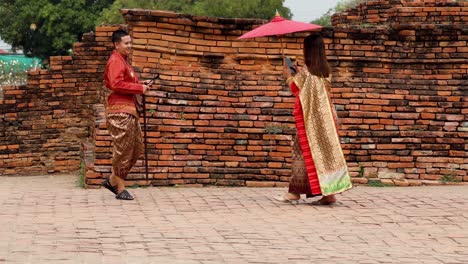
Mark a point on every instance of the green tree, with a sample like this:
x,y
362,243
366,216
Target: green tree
x,y
264,9
111,14
325,19
47,27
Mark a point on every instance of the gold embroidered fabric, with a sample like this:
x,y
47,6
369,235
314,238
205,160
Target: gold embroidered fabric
x,y
299,182
129,109
321,129
126,140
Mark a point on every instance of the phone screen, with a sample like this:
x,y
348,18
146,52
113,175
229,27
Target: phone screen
x,y
290,65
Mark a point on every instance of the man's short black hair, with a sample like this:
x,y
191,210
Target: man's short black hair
x,y
118,35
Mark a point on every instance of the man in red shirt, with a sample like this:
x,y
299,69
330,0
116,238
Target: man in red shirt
x,y
122,115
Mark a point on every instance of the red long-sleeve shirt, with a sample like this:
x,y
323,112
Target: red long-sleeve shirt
x,y
124,83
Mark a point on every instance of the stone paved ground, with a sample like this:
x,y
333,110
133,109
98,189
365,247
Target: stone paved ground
x,y
49,220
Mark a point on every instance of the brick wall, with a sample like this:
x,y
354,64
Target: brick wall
x,y
46,122
400,12
223,114
401,89
403,103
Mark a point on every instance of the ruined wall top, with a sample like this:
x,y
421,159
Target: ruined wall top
x,y
400,12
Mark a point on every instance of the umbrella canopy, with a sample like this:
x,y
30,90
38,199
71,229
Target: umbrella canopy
x,y
279,26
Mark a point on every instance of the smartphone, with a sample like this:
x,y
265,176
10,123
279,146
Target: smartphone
x,y
151,82
290,65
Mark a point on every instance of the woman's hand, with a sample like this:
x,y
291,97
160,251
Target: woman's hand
x,y
287,74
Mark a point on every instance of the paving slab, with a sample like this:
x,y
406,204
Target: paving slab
x,y
47,219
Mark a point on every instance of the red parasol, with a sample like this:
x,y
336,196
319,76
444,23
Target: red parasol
x,y
279,26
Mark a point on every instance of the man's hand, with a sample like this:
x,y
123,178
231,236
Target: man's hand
x,y
152,81
145,88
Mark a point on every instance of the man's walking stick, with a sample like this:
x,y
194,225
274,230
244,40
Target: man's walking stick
x,y
145,138
145,141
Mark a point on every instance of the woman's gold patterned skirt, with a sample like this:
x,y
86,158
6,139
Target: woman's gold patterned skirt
x,y
299,182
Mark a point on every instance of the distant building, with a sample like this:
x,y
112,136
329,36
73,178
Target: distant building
x,y
4,48
16,60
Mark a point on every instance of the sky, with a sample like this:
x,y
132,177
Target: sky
x,y
303,10
308,10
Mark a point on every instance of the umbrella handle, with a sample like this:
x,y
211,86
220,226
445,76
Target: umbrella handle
x,y
282,50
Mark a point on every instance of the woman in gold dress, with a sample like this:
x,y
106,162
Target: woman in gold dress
x,y
319,166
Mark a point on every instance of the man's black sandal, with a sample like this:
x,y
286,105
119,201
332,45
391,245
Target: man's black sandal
x,y
106,183
124,195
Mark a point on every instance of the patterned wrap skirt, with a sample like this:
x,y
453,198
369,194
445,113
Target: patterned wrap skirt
x,y
318,137
125,131
299,182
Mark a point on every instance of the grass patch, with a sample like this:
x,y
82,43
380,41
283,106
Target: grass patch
x,y
379,184
449,178
133,186
80,182
136,185
361,171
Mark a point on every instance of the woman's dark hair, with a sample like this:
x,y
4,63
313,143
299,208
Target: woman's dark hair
x,y
314,56
118,35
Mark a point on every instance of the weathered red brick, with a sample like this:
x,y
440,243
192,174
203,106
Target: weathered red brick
x,y
386,96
